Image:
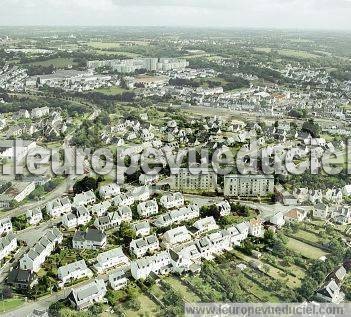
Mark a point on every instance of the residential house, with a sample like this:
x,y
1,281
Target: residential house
x,y
172,200
256,228
35,257
109,191
224,208
123,199
331,293
342,215
321,211
22,279
110,259
118,279
83,216
125,212
100,209
5,225
148,244
204,225
141,193
90,239
176,236
295,214
159,263
73,271
34,216
147,208
142,228
85,198
88,295
58,207
278,219
8,244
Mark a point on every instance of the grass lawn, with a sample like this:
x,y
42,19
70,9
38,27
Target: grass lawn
x,y
57,62
186,293
263,49
147,307
103,45
307,236
111,91
9,304
297,54
305,249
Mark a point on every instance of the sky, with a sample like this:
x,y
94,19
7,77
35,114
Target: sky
x,y
296,14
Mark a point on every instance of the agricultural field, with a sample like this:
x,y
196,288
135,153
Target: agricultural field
x,y
297,54
305,250
56,62
103,45
111,91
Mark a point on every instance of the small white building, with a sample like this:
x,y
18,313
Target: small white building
x,y
88,295
109,191
110,259
172,200
73,271
147,208
34,216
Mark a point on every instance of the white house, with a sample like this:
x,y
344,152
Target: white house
x,y
101,208
118,279
321,211
278,219
35,257
83,216
8,244
109,191
123,199
5,226
125,212
85,198
142,228
224,208
34,216
205,224
147,208
158,263
73,271
144,245
88,295
331,293
110,259
172,200
70,220
256,228
58,207
141,193
176,236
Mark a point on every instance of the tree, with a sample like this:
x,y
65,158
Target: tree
x,y
311,127
86,184
126,232
7,292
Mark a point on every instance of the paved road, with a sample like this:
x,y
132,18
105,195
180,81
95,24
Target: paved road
x,y
57,192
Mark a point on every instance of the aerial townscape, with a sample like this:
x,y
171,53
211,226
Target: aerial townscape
x,y
275,227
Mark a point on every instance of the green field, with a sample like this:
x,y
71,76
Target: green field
x,y
297,54
103,45
186,293
112,91
305,249
147,307
57,62
9,304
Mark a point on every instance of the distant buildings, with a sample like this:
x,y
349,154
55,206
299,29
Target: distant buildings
x,y
248,185
149,64
196,181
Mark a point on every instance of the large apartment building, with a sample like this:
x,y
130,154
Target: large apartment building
x,y
248,185
190,181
